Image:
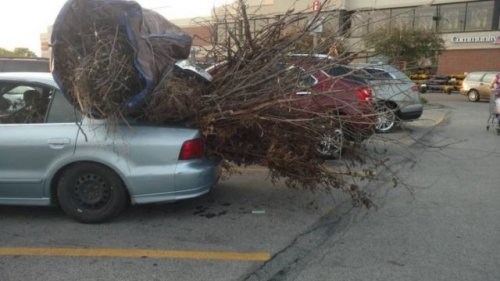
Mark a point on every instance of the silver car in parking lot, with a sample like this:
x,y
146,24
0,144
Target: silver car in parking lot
x,y
396,96
50,154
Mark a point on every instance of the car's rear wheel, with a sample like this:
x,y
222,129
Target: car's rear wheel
x,y
386,118
473,95
91,193
331,143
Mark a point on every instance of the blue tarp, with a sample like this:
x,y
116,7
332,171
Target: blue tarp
x,y
157,43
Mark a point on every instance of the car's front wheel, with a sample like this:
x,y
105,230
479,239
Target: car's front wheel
x,y
91,193
473,95
386,119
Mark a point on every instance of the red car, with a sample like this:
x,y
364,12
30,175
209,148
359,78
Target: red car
x,y
352,104
349,103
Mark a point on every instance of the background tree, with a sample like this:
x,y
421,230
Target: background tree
x,y
407,46
18,53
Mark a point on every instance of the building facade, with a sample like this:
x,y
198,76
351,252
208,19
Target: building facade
x,y
470,29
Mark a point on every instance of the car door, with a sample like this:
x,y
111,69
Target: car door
x,y
485,85
32,139
474,81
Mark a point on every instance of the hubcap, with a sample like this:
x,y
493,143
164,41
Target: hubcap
x,y
473,96
92,191
385,120
331,143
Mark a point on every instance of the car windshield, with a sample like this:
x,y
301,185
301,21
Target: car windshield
x,y
374,74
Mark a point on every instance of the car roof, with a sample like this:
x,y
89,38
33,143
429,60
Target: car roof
x,y
490,71
386,67
393,71
33,77
312,56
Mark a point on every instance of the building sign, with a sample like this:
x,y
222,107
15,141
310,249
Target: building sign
x,y
476,39
316,5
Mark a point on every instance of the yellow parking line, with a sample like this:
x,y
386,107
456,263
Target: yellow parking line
x,y
134,253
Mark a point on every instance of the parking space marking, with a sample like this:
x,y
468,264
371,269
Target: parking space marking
x,y
134,253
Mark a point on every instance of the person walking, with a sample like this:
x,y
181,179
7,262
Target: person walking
x,y
495,90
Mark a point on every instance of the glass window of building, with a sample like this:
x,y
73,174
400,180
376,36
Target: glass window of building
x,y
221,34
331,22
379,19
451,18
425,18
479,16
359,23
402,18
260,23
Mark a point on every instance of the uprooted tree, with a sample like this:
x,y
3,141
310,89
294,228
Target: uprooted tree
x,y
248,113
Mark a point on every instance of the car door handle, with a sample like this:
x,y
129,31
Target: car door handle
x,y
58,143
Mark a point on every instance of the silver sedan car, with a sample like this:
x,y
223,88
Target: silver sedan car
x,y
396,96
50,154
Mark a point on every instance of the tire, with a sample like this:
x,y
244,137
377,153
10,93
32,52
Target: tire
x,y
473,95
91,193
331,144
386,119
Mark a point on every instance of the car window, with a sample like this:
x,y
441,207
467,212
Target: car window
x,y
338,70
61,111
23,103
302,79
346,73
475,76
377,74
488,78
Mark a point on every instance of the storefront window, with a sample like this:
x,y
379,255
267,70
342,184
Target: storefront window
x,y
260,24
479,16
359,23
402,18
379,19
451,18
425,18
331,22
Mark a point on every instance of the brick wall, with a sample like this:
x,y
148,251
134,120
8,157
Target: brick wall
x,y
460,61
200,34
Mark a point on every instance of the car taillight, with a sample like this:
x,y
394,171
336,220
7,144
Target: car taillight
x,y
415,88
192,149
364,93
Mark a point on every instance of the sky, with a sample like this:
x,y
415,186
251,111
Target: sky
x,y
22,21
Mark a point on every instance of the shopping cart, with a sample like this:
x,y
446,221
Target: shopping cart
x,y
494,117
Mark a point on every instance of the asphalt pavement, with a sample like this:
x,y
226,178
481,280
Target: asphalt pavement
x,y
441,223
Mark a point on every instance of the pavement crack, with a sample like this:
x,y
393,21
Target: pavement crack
x,y
279,266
